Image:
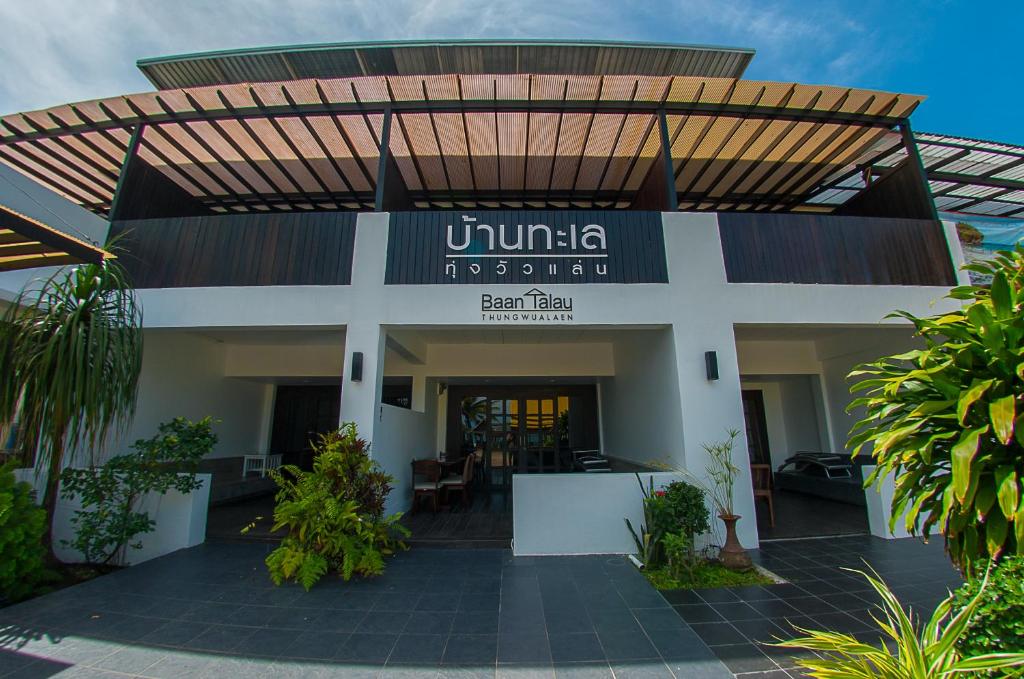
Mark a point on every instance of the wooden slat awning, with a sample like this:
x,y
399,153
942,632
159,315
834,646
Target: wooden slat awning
x,y
27,243
510,140
969,176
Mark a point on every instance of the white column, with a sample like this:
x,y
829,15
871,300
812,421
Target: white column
x,y
702,321
360,400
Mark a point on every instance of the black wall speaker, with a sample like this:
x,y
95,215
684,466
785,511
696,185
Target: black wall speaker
x,y
711,364
357,366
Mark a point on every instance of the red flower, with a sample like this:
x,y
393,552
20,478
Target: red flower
x,y
659,493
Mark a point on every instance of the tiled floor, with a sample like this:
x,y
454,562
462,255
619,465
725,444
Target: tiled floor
x,y
799,516
211,612
820,595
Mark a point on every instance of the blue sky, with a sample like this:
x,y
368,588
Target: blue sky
x,y
963,55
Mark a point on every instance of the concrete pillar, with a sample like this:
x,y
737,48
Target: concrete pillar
x,y
711,407
360,400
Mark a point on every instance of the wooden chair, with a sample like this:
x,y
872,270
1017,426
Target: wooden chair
x,y
462,483
761,474
426,482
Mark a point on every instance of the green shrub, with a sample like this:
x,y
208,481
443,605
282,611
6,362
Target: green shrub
x,y
108,522
686,510
998,622
680,556
22,525
334,514
947,420
678,509
912,651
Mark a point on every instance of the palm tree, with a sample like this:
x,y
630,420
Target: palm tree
x,y
70,352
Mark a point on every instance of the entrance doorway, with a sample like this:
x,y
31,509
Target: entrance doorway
x,y
521,429
301,414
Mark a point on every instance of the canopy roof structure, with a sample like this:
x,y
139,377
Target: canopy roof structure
x,y
969,176
465,140
440,57
27,243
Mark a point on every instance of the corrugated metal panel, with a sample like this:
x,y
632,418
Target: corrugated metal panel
x,y
428,58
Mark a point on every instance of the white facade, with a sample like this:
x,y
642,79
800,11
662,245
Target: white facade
x,y
219,351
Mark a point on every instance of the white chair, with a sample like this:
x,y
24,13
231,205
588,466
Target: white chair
x,y
260,463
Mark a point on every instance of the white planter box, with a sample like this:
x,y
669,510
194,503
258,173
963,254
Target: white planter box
x,y
180,520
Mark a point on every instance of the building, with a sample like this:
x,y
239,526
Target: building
x,y
536,248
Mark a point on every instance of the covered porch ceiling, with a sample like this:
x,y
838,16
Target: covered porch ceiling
x,y
27,243
490,141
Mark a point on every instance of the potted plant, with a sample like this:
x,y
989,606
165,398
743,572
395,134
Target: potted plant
x,y
721,474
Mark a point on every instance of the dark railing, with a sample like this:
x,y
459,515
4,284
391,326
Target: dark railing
x,y
313,248
789,248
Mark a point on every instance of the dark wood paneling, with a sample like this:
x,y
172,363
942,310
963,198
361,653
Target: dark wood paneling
x,y
147,193
902,191
787,248
418,251
312,248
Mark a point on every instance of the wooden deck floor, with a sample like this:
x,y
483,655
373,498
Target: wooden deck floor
x,y
487,522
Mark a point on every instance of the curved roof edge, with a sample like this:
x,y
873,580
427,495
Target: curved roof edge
x,y
437,57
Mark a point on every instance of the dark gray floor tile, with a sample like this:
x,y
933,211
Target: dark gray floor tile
x,y
737,611
694,613
718,633
422,649
475,622
575,647
568,622
627,646
174,633
583,670
641,669
396,602
384,622
366,648
657,618
432,622
471,649
220,638
267,642
681,596
472,601
438,602
316,645
740,658
526,647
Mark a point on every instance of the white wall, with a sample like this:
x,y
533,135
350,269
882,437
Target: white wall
x,y
839,355
578,513
640,411
401,436
284,360
183,375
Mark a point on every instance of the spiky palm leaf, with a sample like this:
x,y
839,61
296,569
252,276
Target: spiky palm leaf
x,y
911,652
71,353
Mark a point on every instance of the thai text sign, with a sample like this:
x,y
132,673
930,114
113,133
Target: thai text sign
x,y
525,246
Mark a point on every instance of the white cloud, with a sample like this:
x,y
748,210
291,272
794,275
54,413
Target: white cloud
x,y
56,51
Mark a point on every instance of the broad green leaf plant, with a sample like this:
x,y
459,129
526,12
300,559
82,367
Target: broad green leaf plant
x,y
111,519
909,651
334,514
947,420
70,355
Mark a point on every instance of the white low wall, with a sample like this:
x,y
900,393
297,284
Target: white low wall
x,y
578,513
180,520
401,436
879,503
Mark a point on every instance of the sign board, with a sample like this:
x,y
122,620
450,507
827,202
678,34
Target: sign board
x,y
525,246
